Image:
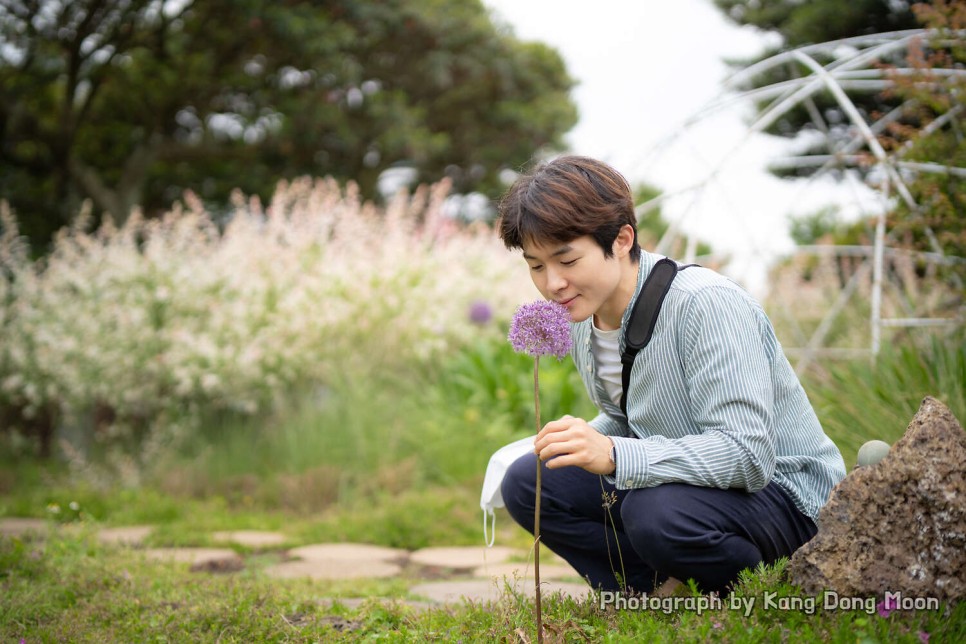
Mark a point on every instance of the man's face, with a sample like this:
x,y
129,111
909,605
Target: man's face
x,y
577,275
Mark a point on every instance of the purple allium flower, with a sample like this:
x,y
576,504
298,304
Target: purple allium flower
x,y
480,312
541,328
924,637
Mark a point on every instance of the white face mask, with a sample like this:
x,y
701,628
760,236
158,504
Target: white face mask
x,y
492,496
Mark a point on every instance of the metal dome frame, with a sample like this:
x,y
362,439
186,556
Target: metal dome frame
x,y
852,69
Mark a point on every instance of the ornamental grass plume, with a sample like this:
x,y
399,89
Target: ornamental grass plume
x,y
540,329
200,315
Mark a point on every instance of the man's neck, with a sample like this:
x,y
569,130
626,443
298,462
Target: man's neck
x,y
609,318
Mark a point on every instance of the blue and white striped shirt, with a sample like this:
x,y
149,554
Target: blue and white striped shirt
x,y
712,399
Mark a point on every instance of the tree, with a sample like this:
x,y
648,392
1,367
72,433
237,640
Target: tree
x,y
131,102
931,130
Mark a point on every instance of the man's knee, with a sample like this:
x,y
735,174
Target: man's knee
x,y
655,520
646,518
518,487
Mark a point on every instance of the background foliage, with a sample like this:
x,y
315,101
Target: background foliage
x,y
132,102
124,331
923,104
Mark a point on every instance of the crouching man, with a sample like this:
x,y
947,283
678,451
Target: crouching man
x,y
719,462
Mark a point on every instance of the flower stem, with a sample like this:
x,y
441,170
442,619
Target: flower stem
x,y
536,510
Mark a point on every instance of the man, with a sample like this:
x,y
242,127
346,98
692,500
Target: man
x,y
720,462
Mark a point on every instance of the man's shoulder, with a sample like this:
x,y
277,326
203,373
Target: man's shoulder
x,y
690,276
693,279
698,288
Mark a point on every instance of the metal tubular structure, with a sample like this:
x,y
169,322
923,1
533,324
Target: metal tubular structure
x,y
853,68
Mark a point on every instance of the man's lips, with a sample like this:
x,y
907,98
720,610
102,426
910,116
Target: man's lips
x,y
568,302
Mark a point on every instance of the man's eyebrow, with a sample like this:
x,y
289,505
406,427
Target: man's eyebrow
x,y
563,250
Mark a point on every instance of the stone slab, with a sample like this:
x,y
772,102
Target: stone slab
x,y
133,535
332,569
210,559
347,552
23,526
252,538
515,570
463,557
486,591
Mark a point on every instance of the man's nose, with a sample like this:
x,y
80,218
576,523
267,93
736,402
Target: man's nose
x,y
556,281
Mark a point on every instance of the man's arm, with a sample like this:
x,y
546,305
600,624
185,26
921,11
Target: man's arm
x,y
573,441
729,392
609,426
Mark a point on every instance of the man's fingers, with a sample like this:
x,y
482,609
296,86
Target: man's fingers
x,y
564,459
559,449
561,424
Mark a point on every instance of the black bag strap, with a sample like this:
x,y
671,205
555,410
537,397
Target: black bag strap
x,y
643,319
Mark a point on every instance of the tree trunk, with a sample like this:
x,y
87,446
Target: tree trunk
x,y
118,202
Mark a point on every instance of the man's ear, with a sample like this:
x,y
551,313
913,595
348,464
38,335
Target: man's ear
x,y
624,241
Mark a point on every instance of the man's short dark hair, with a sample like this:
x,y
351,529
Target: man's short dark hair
x,y
567,198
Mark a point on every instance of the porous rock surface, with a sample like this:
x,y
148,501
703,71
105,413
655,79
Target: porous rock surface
x,y
898,525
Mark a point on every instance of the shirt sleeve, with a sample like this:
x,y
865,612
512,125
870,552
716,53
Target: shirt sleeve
x,y
730,394
609,426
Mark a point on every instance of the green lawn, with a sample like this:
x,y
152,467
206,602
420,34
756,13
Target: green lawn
x,y
398,466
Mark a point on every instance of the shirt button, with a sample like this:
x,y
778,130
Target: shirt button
x,y
628,482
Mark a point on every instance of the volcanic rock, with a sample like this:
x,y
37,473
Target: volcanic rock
x,y
898,526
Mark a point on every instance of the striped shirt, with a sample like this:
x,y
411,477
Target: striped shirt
x,y
712,399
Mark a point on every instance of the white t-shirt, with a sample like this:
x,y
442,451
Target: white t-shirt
x,y
607,360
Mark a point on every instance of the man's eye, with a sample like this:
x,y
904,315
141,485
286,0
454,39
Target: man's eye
x,y
570,263
536,268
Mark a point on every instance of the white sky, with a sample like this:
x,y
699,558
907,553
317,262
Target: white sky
x,y
643,68
640,65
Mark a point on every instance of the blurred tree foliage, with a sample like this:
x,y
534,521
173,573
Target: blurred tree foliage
x,y
129,102
932,131
929,108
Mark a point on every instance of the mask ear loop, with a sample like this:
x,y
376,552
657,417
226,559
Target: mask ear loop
x,y
489,541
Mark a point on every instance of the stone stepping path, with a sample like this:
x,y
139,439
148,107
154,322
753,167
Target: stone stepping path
x,y
465,558
21,527
333,569
254,539
341,561
347,552
125,536
441,575
207,559
511,571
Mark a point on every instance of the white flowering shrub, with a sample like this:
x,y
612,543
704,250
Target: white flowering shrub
x,y
122,330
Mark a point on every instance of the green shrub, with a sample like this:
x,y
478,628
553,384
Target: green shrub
x,y
858,401
492,378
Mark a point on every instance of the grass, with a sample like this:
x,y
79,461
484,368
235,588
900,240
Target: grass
x,y
858,401
400,464
70,588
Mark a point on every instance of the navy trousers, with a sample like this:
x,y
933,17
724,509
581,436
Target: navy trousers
x,y
641,537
